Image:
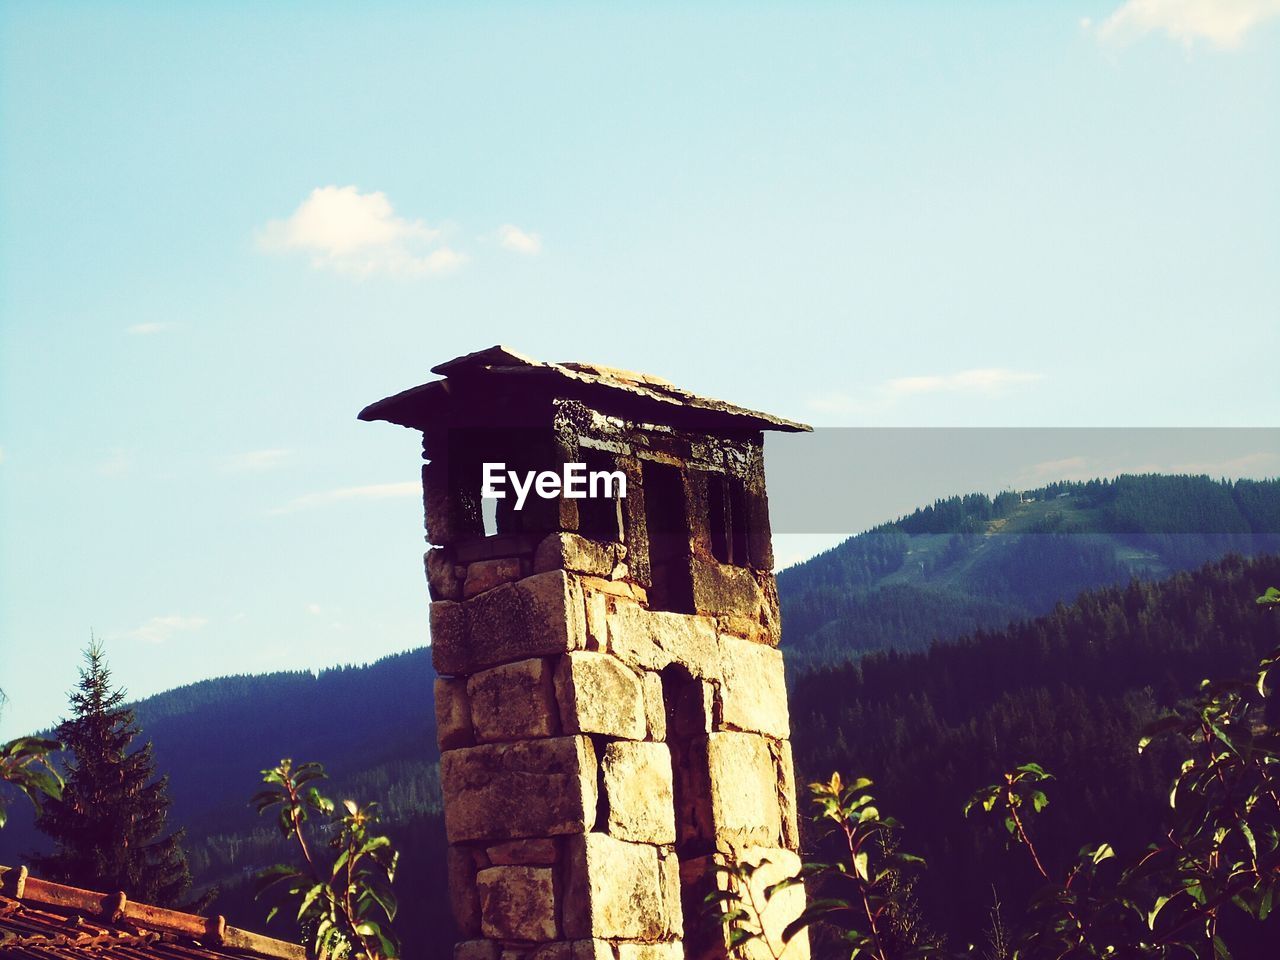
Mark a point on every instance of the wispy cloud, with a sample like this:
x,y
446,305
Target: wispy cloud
x,y
162,629
358,234
985,380
1222,23
521,241
254,461
374,491
980,382
145,329
116,464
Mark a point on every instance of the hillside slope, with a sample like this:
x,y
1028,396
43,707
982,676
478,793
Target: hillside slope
x,y
975,562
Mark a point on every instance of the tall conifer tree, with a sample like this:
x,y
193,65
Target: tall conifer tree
x,y
109,825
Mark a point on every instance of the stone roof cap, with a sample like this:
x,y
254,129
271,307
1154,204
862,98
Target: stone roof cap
x,y
40,919
642,393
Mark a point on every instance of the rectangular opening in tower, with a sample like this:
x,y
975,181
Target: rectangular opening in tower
x,y
599,517
727,518
667,523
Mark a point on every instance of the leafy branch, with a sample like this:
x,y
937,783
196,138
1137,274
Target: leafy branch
x,y
341,900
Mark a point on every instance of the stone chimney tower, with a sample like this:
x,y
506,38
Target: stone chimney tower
x,y
611,708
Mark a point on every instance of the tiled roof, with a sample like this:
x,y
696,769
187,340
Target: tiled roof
x,y
49,921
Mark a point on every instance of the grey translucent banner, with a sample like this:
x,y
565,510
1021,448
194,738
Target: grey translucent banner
x,y
843,481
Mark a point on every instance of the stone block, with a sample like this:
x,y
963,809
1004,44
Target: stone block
x,y
476,950
464,901
486,574
720,588
510,791
592,950
597,620
787,805
533,852
453,714
569,551
560,950
517,903
515,701
655,639
772,865
670,950
749,629
441,579
599,694
655,708
612,889
754,689
537,616
743,790
669,878
638,791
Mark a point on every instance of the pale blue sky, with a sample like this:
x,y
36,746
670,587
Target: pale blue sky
x,y
225,228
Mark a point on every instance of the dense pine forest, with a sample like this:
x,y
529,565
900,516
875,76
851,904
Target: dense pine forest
x,y
1070,690
977,562
876,693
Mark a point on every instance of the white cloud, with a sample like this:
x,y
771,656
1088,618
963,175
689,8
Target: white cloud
x,y
521,241
162,629
374,491
143,329
252,461
987,380
983,381
1223,23
358,234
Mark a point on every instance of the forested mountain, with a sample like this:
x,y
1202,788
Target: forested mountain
x,y
975,562
1070,690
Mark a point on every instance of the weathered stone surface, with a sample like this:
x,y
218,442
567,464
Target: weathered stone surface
x,y
654,639
597,620
622,589
744,789
754,689
638,790
517,903
453,714
560,950
486,574
784,768
534,852
700,876
476,950
655,710
536,616
612,889
569,551
749,629
508,791
671,950
669,878
592,950
440,575
515,701
464,901
599,694
720,588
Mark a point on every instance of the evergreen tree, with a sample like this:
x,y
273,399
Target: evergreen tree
x,y
109,825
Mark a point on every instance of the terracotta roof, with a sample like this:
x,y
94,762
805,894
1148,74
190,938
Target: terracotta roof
x,y
649,395
50,921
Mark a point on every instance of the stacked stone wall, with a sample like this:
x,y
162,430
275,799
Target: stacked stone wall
x,y
586,812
